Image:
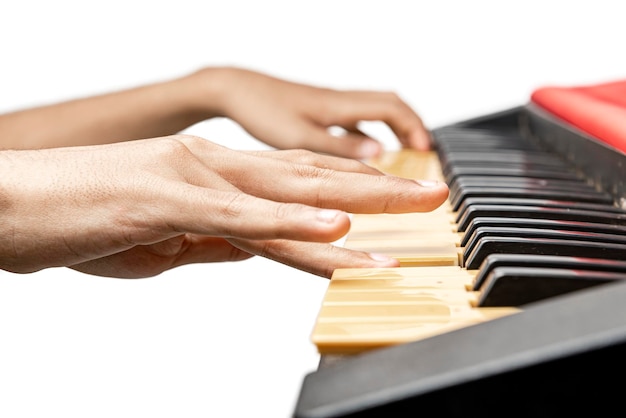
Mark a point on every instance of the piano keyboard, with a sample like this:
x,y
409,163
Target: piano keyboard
x,y
510,298
520,225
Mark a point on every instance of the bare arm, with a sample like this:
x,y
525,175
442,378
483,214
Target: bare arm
x,y
149,111
280,113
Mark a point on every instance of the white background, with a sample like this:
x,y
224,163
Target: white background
x,y
232,340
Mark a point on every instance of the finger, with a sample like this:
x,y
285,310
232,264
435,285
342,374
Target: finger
x,y
217,157
150,260
350,107
312,135
352,143
315,159
203,249
354,129
317,258
200,210
350,192
282,181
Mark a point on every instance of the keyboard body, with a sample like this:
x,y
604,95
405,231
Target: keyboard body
x,y
560,352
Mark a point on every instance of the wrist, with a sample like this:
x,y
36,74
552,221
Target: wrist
x,y
206,91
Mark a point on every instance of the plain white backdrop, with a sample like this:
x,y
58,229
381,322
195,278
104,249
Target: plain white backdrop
x,y
232,340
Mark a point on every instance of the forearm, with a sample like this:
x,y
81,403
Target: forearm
x,y
149,111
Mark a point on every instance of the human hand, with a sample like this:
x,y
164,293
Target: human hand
x,y
135,209
287,115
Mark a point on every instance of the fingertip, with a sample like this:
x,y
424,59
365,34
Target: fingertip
x,y
421,140
368,149
333,224
438,193
384,260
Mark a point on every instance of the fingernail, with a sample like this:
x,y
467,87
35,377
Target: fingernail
x,y
328,215
368,149
380,257
427,183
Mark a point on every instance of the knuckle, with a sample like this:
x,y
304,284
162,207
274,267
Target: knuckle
x,y
227,213
331,253
305,157
320,182
265,249
312,172
393,100
392,96
281,213
172,146
233,207
190,140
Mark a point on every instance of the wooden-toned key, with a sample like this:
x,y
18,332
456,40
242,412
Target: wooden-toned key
x,y
371,308
415,239
365,309
409,164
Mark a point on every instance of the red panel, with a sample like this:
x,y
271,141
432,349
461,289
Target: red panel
x,y
599,110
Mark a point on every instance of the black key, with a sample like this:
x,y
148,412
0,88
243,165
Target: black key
x,y
447,169
574,183
544,261
520,157
486,231
518,286
460,172
478,144
503,211
475,135
495,143
581,196
520,182
514,201
477,139
456,191
514,245
541,223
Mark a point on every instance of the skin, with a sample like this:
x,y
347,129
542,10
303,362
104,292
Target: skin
x,y
105,186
